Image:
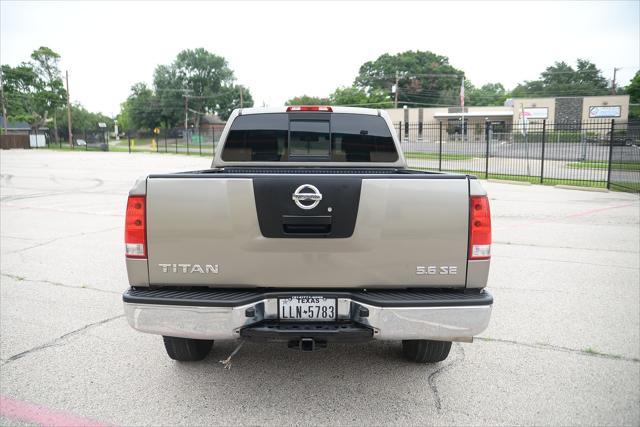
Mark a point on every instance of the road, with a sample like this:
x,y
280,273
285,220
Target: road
x,y
563,346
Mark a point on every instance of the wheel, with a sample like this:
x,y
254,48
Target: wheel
x,y
187,349
425,351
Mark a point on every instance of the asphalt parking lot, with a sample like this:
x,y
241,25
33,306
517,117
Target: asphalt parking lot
x,y
563,346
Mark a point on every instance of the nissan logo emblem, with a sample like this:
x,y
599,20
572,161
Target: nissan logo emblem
x,y
306,193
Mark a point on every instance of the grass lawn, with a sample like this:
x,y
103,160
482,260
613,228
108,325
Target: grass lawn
x,y
602,164
533,179
435,156
627,186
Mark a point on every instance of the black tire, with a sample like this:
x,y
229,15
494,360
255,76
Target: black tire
x,y
187,349
425,351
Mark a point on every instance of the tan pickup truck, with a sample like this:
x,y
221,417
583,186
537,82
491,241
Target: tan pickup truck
x,y
308,228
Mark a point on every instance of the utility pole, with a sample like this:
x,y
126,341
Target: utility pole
x,y
55,125
4,108
613,82
395,104
69,110
241,103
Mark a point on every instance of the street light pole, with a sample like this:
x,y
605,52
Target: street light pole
x,y
395,104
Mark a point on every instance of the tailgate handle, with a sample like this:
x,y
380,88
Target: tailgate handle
x,y
297,224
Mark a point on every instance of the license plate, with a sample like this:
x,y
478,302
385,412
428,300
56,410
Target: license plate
x,y
307,308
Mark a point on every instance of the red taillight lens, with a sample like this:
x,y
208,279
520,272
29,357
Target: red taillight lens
x,y
310,108
479,228
135,233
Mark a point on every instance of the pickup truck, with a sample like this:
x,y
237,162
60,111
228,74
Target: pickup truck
x,y
309,228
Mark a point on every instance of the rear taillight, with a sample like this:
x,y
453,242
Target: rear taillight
x,y
310,108
135,233
479,228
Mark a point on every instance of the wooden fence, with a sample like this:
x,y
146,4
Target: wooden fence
x,y
14,141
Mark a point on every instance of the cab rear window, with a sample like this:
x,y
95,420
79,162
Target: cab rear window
x,y
335,137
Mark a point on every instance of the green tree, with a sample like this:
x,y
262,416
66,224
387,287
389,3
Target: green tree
x,y
633,90
21,88
125,124
487,94
52,94
308,100
34,90
84,121
425,78
561,79
169,95
230,99
203,77
357,97
142,108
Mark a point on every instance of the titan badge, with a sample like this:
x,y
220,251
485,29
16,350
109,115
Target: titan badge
x,y
189,268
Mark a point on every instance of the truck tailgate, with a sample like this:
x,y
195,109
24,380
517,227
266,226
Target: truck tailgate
x,y
366,232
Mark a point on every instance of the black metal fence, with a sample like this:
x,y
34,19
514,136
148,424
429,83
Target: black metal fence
x,y
86,140
200,141
602,153
193,141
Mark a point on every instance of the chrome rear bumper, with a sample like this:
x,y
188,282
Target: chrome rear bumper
x,y
449,322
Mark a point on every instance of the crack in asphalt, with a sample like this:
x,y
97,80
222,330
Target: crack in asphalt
x,y
49,282
62,210
28,196
46,242
56,342
6,236
431,380
561,348
98,183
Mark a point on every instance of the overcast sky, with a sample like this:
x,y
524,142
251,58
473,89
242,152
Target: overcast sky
x,y
283,49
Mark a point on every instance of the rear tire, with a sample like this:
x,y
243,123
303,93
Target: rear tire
x,y
425,351
187,349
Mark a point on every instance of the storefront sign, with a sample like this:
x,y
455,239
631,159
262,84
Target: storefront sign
x,y
602,111
536,113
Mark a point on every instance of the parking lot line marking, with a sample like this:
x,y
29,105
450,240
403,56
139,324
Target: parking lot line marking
x,y
32,413
589,212
575,215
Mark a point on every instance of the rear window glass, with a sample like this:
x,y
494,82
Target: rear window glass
x,y
309,138
282,137
258,138
360,138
